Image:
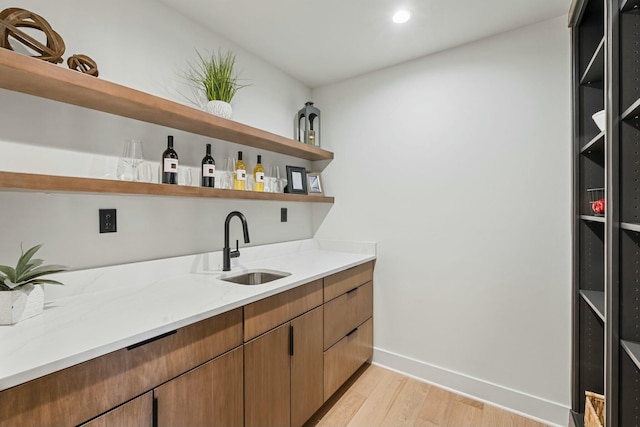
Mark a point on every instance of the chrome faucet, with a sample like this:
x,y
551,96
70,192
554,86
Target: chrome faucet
x,y
227,253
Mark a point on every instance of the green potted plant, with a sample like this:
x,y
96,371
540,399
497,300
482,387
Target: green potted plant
x,y
214,77
21,288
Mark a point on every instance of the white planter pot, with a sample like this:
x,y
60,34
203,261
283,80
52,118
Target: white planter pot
x,y
21,304
219,108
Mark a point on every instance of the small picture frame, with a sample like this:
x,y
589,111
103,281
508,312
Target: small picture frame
x,y
296,180
314,184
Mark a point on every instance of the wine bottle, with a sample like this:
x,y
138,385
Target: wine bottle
x,y
258,175
208,169
240,176
170,164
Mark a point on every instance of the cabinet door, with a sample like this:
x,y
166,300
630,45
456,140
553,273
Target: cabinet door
x,y
306,366
210,395
267,379
136,413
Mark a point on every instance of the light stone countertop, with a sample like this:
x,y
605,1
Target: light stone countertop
x,y
105,309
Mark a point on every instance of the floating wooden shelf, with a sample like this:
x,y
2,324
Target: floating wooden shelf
x,y
21,73
65,184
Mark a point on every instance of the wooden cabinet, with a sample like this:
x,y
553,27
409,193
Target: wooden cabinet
x,y
267,379
306,366
135,413
348,324
298,350
79,393
210,395
606,246
346,312
346,356
283,367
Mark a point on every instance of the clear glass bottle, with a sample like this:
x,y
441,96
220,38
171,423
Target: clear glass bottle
x,y
240,175
258,175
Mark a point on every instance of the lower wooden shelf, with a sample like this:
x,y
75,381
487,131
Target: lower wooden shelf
x,y
13,181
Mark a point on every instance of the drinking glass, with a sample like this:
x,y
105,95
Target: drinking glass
x,y
228,171
184,175
130,159
278,183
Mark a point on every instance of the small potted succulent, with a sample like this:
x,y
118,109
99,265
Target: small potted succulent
x,y
21,288
214,77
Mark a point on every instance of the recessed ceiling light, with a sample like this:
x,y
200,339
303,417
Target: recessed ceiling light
x,y
401,16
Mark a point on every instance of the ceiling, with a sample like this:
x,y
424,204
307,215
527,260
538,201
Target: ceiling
x,y
325,41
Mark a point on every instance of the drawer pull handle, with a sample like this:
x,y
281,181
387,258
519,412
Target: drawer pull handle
x,y
352,291
154,412
140,344
352,332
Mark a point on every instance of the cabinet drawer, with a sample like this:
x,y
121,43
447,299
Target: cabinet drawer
x,y
346,312
81,392
266,314
346,356
342,282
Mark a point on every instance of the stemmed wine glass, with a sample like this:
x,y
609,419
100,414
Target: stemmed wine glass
x,y
129,161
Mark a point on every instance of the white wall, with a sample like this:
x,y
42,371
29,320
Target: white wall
x,y
143,45
458,165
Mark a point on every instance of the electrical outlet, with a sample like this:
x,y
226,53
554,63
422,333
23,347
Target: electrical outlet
x,y
108,222
283,214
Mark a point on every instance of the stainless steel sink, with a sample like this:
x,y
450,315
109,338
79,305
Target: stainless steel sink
x,y
255,277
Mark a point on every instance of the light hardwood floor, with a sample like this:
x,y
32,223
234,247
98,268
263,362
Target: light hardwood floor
x,y
378,397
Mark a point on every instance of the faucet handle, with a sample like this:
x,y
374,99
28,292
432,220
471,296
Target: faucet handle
x,y
236,253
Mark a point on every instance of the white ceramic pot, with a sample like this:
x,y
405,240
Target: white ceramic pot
x,y
21,304
219,108
599,119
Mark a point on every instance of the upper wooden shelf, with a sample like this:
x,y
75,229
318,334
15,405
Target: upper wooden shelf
x,y
33,76
65,184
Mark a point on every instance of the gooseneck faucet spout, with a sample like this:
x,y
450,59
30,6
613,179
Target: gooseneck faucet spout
x,y
227,253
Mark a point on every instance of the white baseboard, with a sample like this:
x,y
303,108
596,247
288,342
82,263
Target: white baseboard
x,y
511,400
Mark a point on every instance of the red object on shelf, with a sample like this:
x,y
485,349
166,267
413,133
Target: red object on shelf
x,y
598,206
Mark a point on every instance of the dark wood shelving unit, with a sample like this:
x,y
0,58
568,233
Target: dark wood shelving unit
x,y
595,145
594,74
632,113
630,6
606,250
592,218
633,351
630,226
595,299
577,419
